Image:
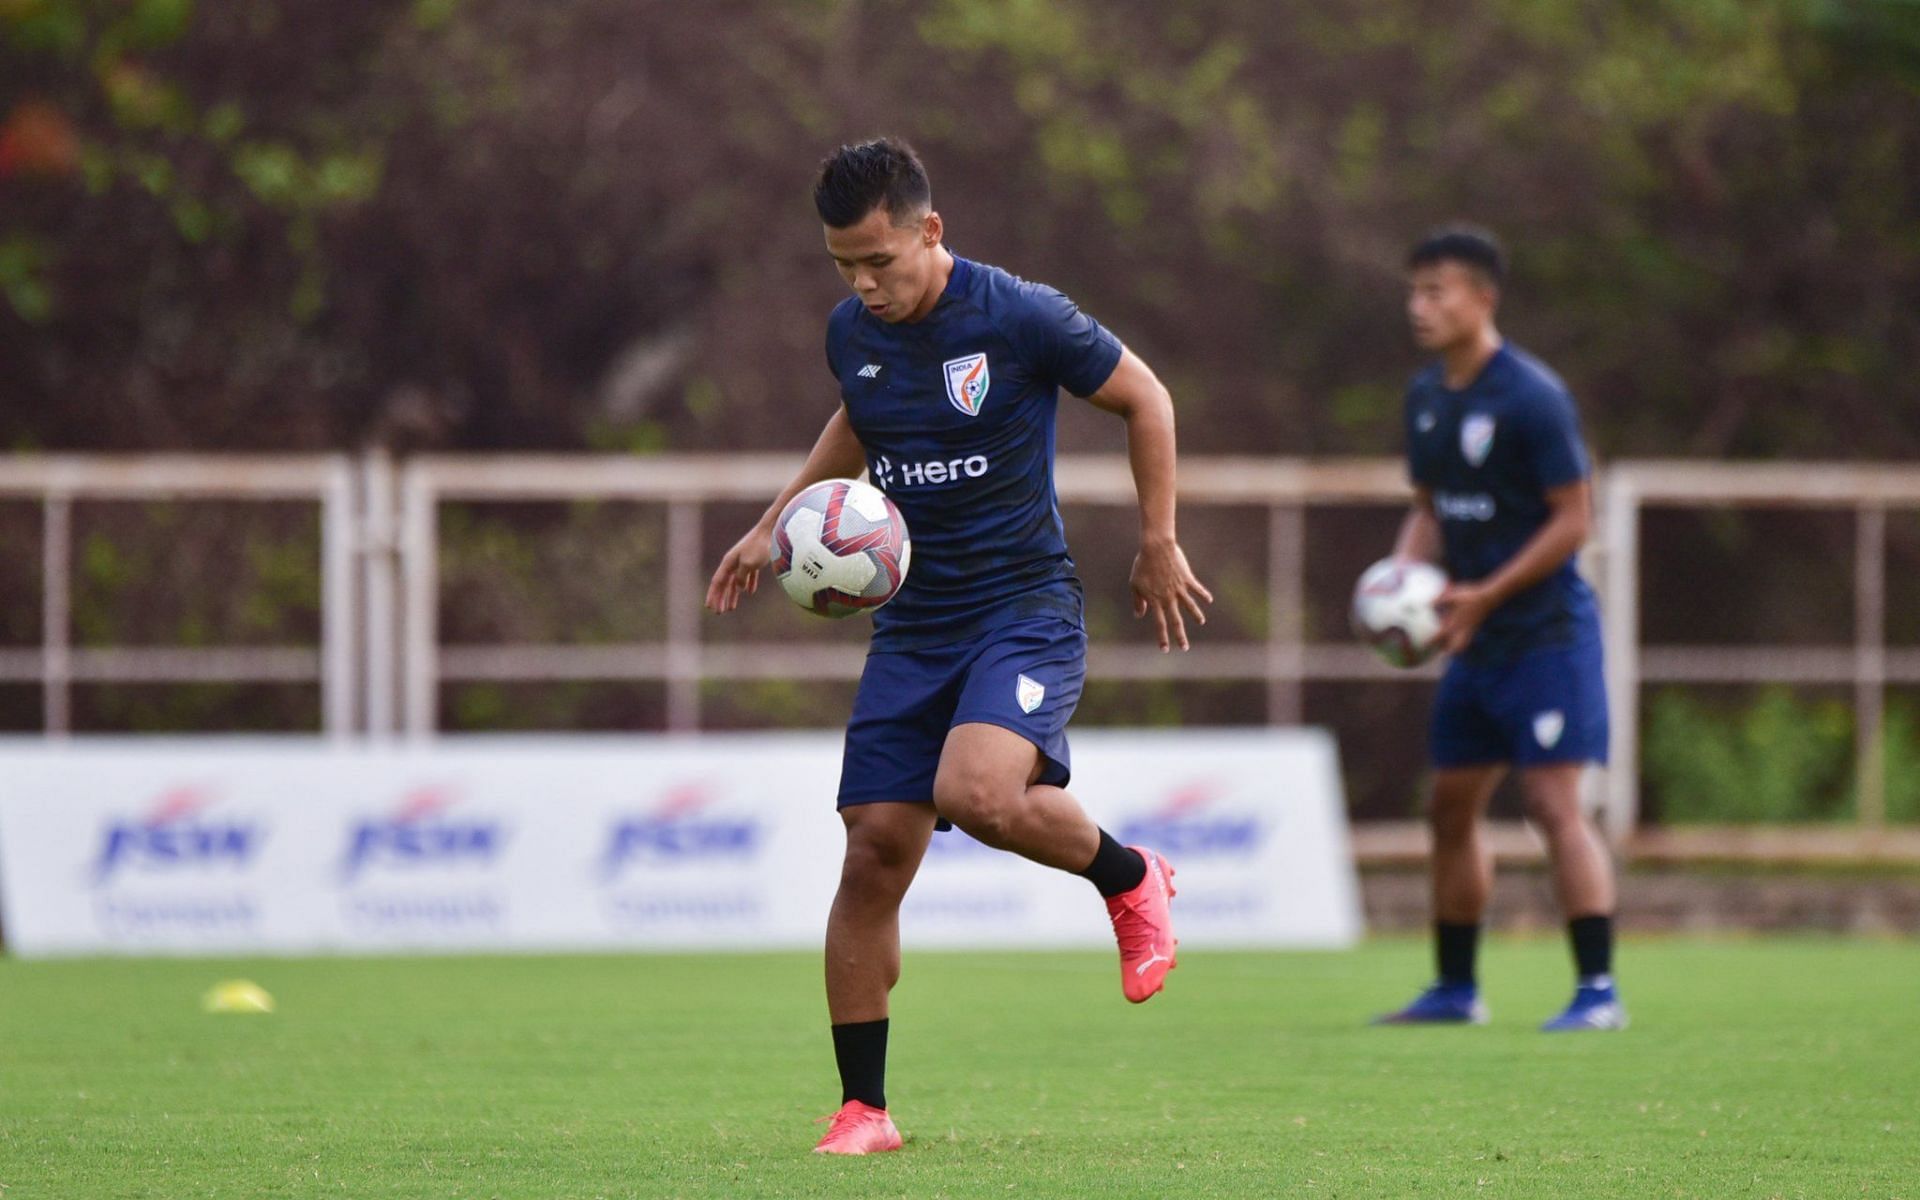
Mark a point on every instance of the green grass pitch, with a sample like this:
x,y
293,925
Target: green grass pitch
x,y
1764,1068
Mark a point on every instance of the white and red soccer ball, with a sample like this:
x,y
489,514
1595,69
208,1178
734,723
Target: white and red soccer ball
x,y
1394,613
840,547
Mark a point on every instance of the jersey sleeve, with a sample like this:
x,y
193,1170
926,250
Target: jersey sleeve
x,y
1555,450
1064,344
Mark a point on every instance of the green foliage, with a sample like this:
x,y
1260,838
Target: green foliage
x,y
141,578
161,136
433,14
1776,759
632,437
777,703
150,24
267,564
1875,36
188,708
279,175
24,260
54,27
1709,201
1902,752
580,574
577,705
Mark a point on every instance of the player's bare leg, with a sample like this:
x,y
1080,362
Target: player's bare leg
x,y
986,785
1462,886
885,843
1582,869
1462,859
1583,878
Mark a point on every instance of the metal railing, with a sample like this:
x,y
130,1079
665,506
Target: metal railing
x,y
58,481
1868,665
682,659
381,663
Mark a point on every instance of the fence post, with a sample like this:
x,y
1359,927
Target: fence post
x,y
56,612
339,633
1286,612
420,585
1620,620
379,555
683,601
1870,663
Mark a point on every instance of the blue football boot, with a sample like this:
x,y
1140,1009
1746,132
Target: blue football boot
x,y
1595,1006
1441,1004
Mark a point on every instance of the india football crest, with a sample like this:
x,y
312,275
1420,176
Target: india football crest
x,y
1476,438
1548,726
967,382
1029,693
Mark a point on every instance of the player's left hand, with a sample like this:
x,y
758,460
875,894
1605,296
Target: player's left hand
x,y
1463,606
1163,584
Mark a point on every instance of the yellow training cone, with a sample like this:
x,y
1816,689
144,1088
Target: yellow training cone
x,y
237,996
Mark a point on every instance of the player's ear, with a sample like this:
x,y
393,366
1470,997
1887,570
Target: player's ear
x,y
931,230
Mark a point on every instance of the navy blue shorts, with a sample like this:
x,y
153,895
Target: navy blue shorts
x,y
1024,676
1545,706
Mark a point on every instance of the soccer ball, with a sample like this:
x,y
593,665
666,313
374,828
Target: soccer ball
x,y
1393,610
841,547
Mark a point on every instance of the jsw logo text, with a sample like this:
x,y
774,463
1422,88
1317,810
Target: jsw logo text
x,y
421,835
676,831
174,837
1186,825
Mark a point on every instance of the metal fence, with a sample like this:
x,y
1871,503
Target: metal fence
x,y
382,663
57,482
1866,664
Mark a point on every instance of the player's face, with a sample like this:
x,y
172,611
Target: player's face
x,y
1448,303
890,267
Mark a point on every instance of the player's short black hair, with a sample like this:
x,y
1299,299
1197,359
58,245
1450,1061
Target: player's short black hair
x,y
1468,245
854,180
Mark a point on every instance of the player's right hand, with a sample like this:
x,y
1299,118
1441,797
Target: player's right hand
x,y
739,571
1163,584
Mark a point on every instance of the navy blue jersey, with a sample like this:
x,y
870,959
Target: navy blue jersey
x,y
1489,453
956,413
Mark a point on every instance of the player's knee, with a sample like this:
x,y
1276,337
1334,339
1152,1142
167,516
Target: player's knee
x,y
878,863
1555,817
978,808
990,824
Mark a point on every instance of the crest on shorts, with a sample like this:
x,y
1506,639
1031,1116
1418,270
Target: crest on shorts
x,y
1476,438
967,382
1548,726
1029,694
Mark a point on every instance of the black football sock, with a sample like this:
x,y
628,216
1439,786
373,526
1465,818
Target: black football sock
x,y
1592,939
861,1050
1115,869
1456,945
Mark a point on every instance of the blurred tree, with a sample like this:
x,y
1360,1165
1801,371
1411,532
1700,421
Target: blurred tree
x,y
481,224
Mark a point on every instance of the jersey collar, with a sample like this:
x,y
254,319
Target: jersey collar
x,y
1486,372
957,281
